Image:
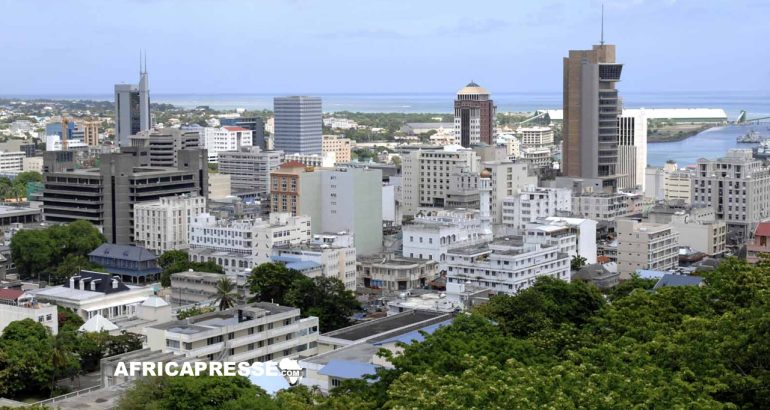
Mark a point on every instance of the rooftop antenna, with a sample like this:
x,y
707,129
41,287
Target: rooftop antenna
x,y
145,61
602,39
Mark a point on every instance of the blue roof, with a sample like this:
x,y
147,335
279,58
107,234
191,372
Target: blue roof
x,y
415,335
303,265
133,272
650,274
678,280
346,369
284,258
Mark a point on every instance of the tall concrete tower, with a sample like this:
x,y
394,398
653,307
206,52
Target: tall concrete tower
x,y
474,116
132,107
591,110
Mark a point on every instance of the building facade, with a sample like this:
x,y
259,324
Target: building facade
x,y
632,150
532,203
162,225
737,187
257,332
163,144
507,265
249,169
643,245
474,116
224,139
339,146
132,109
106,196
591,109
298,124
391,274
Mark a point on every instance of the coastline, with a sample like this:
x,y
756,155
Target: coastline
x,y
678,137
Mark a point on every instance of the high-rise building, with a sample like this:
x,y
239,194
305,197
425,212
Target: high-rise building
x,y
106,196
591,109
132,108
474,116
90,132
298,124
218,140
632,150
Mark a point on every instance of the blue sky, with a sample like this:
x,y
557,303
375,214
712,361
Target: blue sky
x,y
327,46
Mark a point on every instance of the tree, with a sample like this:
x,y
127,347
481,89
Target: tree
x,y
193,311
202,392
269,282
25,358
175,261
225,293
64,363
68,320
577,262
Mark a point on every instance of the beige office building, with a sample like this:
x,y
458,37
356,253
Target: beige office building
x,y
339,146
643,245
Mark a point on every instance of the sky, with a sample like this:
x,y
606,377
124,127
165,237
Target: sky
x,y
84,47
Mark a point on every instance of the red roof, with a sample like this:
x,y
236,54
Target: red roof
x,y
236,129
293,164
10,294
763,229
602,259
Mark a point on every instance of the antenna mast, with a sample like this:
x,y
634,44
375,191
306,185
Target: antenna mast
x,y
602,39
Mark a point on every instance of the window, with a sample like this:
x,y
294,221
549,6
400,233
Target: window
x,y
174,344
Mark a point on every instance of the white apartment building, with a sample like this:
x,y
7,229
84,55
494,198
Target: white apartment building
x,y
32,164
532,203
644,245
240,245
223,139
11,161
339,123
606,206
632,150
654,184
537,136
506,178
339,146
737,187
506,265
425,174
573,236
432,237
162,225
333,260
257,332
54,143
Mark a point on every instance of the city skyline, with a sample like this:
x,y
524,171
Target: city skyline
x,y
307,47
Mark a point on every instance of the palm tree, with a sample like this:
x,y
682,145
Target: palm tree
x,y
226,293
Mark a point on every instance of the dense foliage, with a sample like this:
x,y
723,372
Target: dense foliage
x,y
60,251
323,297
178,261
32,359
559,345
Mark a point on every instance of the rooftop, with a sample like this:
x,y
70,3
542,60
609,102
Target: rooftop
x,y
387,324
220,319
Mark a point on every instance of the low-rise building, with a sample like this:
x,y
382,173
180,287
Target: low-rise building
x,y
131,263
257,332
93,293
327,259
506,265
536,136
193,287
644,245
17,305
162,225
391,273
606,206
760,244
219,186
573,236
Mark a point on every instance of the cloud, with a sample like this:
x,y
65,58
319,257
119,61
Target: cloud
x,y
363,33
473,26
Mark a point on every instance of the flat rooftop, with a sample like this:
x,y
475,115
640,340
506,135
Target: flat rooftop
x,y
6,210
229,317
387,324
